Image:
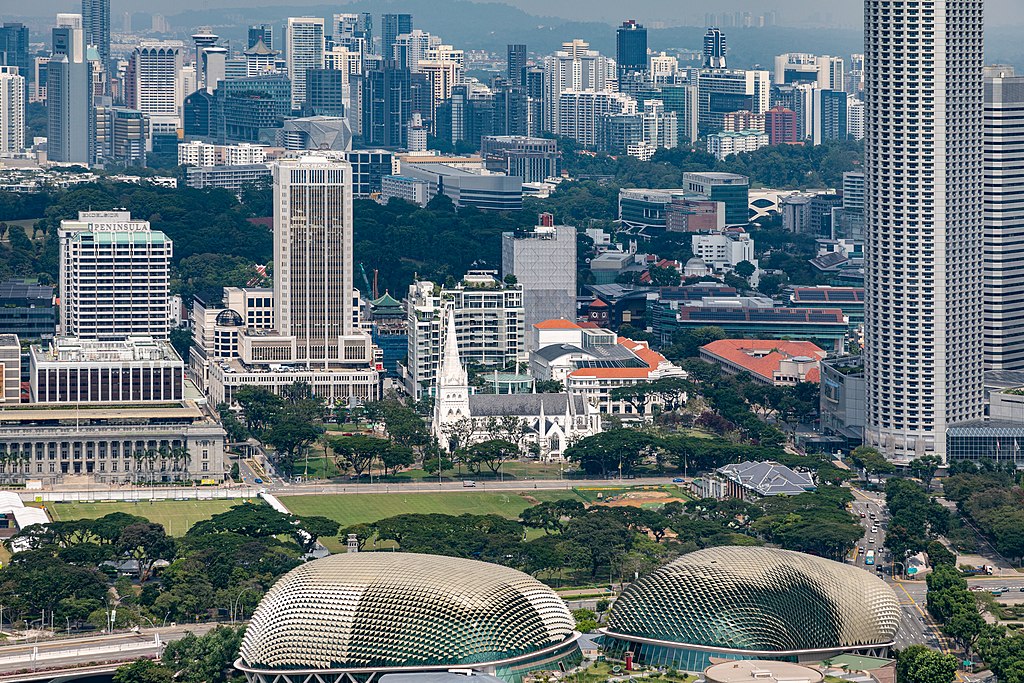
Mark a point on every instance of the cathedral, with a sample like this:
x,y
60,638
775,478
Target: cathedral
x,y
553,422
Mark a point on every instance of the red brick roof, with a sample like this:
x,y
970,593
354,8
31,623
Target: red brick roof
x,y
643,352
557,324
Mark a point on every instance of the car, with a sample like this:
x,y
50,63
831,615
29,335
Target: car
x,y
258,480
678,480
862,515
1004,589
1021,589
871,540
975,589
469,483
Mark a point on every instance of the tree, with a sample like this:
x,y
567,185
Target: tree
x,y
616,450
291,432
918,664
492,453
871,461
551,516
314,527
586,620
964,627
145,542
744,269
260,407
248,519
924,468
355,452
549,386
143,671
204,659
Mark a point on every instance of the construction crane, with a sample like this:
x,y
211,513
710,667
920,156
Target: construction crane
x,y
369,290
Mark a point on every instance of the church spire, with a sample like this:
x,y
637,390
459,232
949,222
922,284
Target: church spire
x,y
452,372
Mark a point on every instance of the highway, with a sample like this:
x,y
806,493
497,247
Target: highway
x,y
62,653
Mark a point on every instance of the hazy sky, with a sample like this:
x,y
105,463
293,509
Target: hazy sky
x,y
837,12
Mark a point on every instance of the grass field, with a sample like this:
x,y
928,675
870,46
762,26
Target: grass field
x,y
177,516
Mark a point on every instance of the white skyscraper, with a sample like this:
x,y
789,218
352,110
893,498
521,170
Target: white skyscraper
x,y
1004,219
114,277
574,67
153,81
304,49
313,256
12,110
923,165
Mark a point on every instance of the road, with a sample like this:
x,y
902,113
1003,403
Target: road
x,y
57,653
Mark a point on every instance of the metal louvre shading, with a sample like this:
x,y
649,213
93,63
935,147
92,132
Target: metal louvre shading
x,y
758,599
378,610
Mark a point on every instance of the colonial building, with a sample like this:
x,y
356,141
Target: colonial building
x,y
552,422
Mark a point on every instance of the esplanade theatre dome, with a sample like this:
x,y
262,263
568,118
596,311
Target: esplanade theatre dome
x,y
354,616
742,602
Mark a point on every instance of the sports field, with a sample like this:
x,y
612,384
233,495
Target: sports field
x,y
360,508
177,516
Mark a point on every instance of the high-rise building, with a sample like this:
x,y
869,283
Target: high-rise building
x,y
392,26
153,82
631,48
797,67
259,58
264,32
387,104
780,124
721,91
575,67
114,277
714,49
830,116
543,261
326,92
96,24
313,256
923,254
12,111
515,72
1004,219
71,126
14,48
304,50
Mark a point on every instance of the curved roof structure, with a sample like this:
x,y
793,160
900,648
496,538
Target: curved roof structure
x,y
760,600
387,610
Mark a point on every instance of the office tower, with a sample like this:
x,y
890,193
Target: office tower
x,y
12,111
304,50
1004,219
854,118
121,136
325,92
536,89
714,49
721,91
825,71
392,26
631,48
387,104
96,24
313,255
923,254
264,32
259,58
71,126
830,116
14,48
516,69
114,277
214,67
543,261
152,81
203,38
411,48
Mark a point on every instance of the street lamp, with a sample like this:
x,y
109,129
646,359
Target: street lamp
x,y
234,607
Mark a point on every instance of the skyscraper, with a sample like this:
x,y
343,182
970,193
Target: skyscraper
x,y
152,80
631,48
71,126
14,48
12,110
96,24
516,70
392,26
1004,219
264,32
923,254
714,49
387,104
304,48
544,263
313,256
114,277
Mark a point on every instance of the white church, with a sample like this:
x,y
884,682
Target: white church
x,y
553,422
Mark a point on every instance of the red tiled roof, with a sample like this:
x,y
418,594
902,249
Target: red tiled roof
x,y
737,352
597,303
557,324
643,352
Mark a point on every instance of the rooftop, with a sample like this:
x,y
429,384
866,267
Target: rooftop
x,y
764,357
768,478
760,671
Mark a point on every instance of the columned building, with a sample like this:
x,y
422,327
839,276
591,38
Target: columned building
x,y
924,99
1004,220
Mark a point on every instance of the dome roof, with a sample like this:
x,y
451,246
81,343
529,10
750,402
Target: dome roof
x,y
759,599
362,610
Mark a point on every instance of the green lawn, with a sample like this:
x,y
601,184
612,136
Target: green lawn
x,y
177,516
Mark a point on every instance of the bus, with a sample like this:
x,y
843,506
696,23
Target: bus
x,y
870,557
